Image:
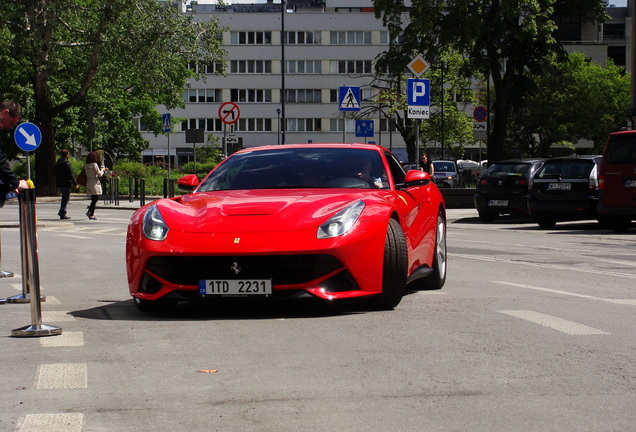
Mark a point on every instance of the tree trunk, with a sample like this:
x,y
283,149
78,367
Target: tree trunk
x,y
45,159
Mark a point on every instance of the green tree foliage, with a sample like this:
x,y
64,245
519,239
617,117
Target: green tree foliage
x,y
574,100
101,62
506,41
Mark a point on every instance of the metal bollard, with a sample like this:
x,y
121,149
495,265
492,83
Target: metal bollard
x,y
24,297
31,270
116,191
142,192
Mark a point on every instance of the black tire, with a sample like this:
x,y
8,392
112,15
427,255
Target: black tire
x,y
619,223
154,306
486,216
546,222
437,279
394,268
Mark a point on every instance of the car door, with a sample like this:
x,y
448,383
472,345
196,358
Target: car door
x,y
619,171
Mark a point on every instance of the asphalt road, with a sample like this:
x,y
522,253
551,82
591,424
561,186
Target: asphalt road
x,y
534,330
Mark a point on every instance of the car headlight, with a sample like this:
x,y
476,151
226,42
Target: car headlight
x,y
154,227
341,222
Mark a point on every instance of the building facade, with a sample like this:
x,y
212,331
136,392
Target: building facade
x,y
284,71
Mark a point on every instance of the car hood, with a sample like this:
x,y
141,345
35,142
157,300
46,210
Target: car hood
x,y
255,210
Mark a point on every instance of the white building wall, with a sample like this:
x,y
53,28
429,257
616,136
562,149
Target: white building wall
x,y
315,20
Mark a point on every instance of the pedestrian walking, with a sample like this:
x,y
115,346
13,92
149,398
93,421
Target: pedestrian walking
x,y
93,185
426,164
10,115
65,181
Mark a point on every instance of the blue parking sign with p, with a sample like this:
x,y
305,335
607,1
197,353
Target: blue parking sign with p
x,y
418,92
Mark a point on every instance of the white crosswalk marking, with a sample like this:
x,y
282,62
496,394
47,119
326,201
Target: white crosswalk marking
x,y
64,422
56,316
61,376
66,339
556,323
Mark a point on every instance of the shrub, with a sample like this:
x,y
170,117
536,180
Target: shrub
x,y
131,170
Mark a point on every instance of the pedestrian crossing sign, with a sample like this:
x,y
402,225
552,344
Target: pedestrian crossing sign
x,y
349,98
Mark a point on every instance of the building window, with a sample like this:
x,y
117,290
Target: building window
x,y
251,37
336,125
254,125
614,31
251,95
206,68
202,95
350,37
350,66
250,66
617,54
303,67
384,38
303,95
386,125
304,125
303,38
207,124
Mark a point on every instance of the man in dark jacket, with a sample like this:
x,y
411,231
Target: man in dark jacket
x,y
10,115
64,180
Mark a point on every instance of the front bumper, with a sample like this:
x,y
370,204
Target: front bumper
x,y
341,267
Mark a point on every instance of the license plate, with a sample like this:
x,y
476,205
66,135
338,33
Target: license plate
x,y
498,203
560,186
235,287
630,183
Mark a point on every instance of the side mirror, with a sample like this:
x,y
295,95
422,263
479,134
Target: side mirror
x,y
415,178
188,183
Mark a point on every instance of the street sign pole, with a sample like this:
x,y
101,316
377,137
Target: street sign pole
x,y
166,120
344,127
225,139
417,141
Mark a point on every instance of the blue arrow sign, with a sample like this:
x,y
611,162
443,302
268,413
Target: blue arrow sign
x,y
418,92
364,128
349,98
27,136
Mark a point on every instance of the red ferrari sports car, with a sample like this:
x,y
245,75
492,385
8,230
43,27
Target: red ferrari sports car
x,y
334,221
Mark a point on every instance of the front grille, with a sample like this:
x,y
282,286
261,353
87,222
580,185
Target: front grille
x,y
282,269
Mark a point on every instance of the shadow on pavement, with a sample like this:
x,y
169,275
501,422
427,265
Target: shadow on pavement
x,y
223,309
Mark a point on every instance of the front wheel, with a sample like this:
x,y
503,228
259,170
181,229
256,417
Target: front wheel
x,y
394,269
546,222
437,279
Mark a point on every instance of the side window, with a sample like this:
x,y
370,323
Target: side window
x,y
396,168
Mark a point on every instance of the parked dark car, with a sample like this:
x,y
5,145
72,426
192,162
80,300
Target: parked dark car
x,y
564,189
503,188
617,181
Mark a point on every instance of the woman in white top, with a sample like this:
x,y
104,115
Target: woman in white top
x,y
93,185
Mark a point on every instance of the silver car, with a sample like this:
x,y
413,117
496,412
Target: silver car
x,y
445,173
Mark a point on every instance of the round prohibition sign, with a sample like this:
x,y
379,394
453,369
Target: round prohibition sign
x,y
480,113
229,112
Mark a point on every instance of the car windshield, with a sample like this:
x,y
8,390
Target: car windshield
x,y
565,169
316,167
621,150
444,166
508,169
